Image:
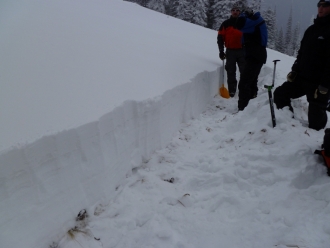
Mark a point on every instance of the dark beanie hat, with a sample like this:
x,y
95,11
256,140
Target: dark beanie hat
x,y
325,1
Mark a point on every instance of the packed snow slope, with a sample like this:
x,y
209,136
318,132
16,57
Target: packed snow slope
x,y
66,63
102,101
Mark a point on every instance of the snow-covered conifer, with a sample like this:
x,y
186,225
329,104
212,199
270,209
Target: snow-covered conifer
x,y
296,39
255,5
180,9
210,14
279,45
198,12
270,19
221,11
157,5
288,36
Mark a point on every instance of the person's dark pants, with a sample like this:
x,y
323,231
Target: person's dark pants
x,y
248,84
317,116
233,57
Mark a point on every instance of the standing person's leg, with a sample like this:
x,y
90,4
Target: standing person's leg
x,y
317,115
254,86
247,80
231,71
240,60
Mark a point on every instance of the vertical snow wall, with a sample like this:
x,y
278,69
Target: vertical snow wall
x,y
44,185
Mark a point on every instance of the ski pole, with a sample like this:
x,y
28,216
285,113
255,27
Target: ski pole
x,y
270,95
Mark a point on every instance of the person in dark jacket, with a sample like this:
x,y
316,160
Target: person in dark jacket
x,y
255,38
231,38
310,73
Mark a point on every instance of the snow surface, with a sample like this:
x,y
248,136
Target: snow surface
x,y
64,64
100,112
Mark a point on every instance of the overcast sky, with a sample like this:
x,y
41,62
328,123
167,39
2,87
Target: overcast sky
x,y
303,11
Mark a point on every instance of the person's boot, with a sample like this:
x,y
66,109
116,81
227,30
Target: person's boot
x,y
328,107
232,90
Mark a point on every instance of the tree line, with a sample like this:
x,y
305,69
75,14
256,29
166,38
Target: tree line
x,y
211,13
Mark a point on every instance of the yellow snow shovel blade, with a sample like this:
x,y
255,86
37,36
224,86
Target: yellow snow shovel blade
x,y
224,92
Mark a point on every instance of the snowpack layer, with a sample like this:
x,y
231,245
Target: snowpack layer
x,y
46,183
89,90
87,94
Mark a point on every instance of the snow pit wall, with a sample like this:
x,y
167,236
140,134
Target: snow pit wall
x,y
45,184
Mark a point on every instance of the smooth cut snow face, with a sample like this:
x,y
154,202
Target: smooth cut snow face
x,y
89,90
104,102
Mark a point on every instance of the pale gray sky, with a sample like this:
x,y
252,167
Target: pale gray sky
x,y
303,11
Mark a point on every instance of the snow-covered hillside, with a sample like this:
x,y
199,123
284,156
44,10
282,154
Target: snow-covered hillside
x,y
64,64
101,101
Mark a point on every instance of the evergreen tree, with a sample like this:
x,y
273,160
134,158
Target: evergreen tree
x,y
288,36
168,8
140,2
221,11
198,12
244,4
144,3
256,5
296,39
180,9
157,5
280,42
270,19
275,29
209,14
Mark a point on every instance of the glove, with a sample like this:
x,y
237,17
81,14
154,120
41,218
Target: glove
x,y
320,92
222,55
291,76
